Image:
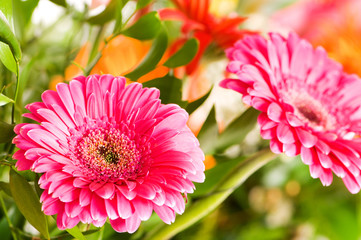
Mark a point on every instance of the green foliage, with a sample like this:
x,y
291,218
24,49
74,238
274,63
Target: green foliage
x,y
23,11
8,37
237,130
147,27
4,186
143,3
7,132
75,232
59,2
5,100
118,16
7,57
208,134
192,106
29,206
152,58
170,89
105,16
184,55
213,142
214,175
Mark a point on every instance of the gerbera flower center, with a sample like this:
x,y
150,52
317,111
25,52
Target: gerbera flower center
x,y
309,114
107,154
312,112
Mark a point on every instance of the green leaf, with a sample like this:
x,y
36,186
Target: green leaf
x,y
215,175
191,107
208,134
108,14
184,55
23,80
8,37
118,17
59,2
170,89
142,3
76,233
7,57
7,132
6,7
152,58
237,129
28,202
23,10
147,27
4,186
5,100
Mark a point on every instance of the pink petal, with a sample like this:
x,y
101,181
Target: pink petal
x,y
275,112
265,123
73,209
132,223
111,206
165,213
352,185
125,209
292,149
276,146
325,160
293,120
65,96
85,197
106,191
97,208
285,134
308,155
145,191
326,177
118,224
306,138
143,208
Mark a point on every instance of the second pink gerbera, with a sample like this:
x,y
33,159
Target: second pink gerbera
x,y
308,105
109,151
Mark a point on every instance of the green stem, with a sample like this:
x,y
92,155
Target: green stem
x,y
204,206
101,233
7,217
16,93
96,42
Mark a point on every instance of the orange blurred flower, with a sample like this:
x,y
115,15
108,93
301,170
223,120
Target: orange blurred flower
x,y
123,54
209,162
54,81
333,24
120,56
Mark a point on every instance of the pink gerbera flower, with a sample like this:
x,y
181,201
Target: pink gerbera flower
x,y
308,105
109,151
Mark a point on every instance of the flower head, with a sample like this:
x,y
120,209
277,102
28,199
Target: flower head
x,y
308,105
107,150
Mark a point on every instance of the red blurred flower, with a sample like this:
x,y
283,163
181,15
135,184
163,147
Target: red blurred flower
x,y
198,22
